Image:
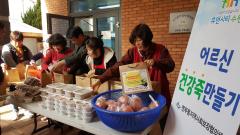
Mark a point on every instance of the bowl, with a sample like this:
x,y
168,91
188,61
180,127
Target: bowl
x,y
130,121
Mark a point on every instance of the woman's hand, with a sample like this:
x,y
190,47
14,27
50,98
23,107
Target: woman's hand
x,y
91,73
149,62
33,63
96,86
58,66
5,67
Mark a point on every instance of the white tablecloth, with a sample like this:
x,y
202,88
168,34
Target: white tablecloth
x,y
96,127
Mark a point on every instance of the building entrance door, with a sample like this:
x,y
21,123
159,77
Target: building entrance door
x,y
104,24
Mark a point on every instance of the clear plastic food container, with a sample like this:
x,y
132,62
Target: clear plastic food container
x,y
50,107
62,102
68,93
82,94
71,114
58,99
71,109
54,86
87,119
79,117
88,100
59,91
28,99
78,112
50,100
87,107
44,91
44,98
63,112
57,109
88,114
70,103
56,106
79,106
51,90
43,105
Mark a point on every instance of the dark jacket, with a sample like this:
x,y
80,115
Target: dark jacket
x,y
37,56
9,55
76,61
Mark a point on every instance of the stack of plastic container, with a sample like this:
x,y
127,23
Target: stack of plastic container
x,y
68,99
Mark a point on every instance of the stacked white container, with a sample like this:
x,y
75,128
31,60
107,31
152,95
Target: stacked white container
x,y
69,100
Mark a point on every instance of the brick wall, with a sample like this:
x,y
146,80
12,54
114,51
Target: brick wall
x,y
59,7
156,14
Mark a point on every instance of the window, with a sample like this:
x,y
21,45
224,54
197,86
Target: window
x,y
77,6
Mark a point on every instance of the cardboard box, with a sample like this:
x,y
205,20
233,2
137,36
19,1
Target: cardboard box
x,y
85,81
3,86
82,81
12,75
63,78
16,75
103,88
46,78
116,85
21,68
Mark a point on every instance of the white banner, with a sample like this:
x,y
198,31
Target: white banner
x,y
207,93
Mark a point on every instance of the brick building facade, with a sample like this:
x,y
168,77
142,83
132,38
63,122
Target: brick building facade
x,y
155,13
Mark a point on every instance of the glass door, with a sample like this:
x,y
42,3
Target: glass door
x,y
106,30
107,27
104,24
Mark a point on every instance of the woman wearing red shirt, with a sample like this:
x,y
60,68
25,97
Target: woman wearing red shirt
x,y
155,55
58,51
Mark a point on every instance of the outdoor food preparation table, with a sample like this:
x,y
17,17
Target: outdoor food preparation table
x,y
95,127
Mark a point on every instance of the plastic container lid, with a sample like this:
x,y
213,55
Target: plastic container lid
x,y
87,119
87,107
71,103
28,99
82,94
